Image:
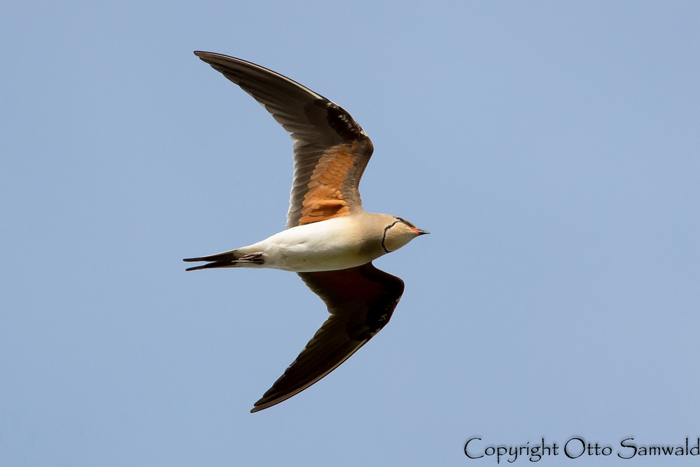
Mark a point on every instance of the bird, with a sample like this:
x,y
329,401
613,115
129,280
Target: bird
x,y
329,241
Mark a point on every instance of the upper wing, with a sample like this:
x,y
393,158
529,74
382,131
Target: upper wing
x,y
361,301
330,152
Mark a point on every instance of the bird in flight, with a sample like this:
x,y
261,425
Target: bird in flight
x,y
330,241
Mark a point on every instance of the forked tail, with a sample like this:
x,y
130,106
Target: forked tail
x,y
229,259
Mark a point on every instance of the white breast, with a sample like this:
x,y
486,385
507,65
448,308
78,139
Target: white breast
x,y
338,243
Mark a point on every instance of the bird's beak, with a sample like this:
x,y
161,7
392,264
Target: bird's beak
x,y
422,232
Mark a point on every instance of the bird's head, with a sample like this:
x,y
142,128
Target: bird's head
x,y
398,233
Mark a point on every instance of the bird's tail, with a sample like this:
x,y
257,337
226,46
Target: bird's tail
x,y
228,259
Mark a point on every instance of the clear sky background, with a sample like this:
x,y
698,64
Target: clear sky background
x,y
552,149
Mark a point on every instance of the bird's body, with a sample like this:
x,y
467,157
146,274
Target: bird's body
x,y
330,240
334,244
338,243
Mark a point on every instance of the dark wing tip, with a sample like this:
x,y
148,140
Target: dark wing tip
x,y
201,54
361,301
218,60
263,404
206,56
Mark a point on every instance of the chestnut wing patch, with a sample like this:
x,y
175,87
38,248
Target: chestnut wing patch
x,y
332,187
330,151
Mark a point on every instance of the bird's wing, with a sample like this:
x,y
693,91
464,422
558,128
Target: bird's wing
x,y
360,301
330,152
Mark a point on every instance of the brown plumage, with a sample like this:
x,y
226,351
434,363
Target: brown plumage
x,y
331,255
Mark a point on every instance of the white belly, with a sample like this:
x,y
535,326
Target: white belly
x,y
322,246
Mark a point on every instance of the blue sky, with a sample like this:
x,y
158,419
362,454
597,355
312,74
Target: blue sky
x,y
552,149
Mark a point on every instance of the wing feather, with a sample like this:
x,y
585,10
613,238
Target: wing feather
x,y
361,301
328,141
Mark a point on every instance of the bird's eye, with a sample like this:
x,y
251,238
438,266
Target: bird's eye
x,y
406,222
